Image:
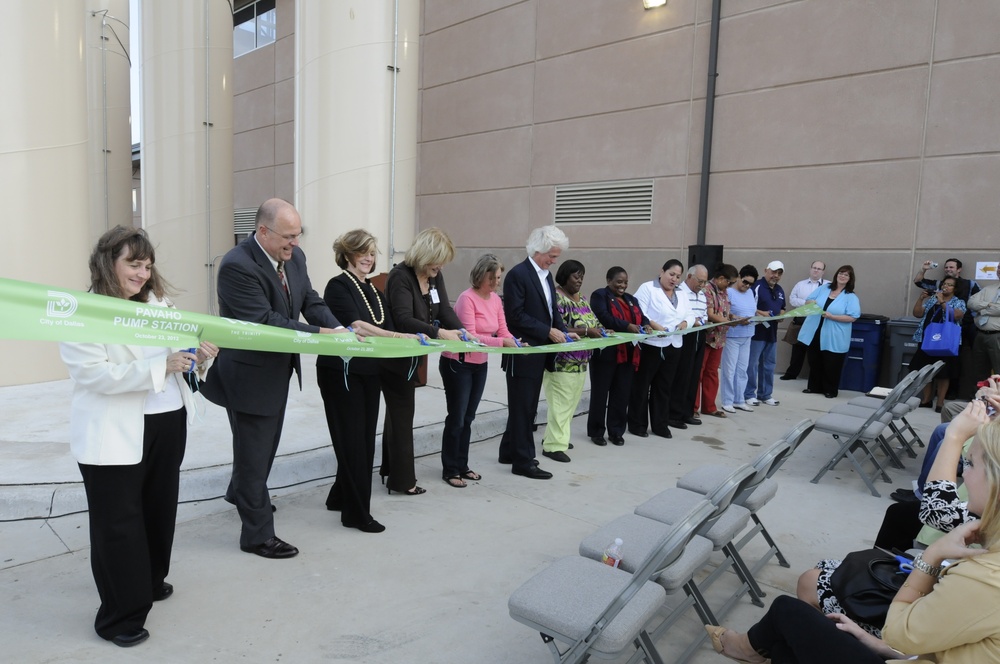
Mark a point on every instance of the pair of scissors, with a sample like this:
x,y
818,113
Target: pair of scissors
x,y
905,562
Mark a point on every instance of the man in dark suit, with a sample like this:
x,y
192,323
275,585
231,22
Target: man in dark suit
x,y
262,280
529,304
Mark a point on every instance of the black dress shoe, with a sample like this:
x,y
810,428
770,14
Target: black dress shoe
x,y
830,395
692,420
372,526
571,446
787,377
129,639
617,440
663,434
807,391
598,440
163,592
559,456
677,424
532,472
641,434
272,548
504,461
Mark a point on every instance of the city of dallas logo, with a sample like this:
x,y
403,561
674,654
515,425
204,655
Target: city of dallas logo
x,y
60,305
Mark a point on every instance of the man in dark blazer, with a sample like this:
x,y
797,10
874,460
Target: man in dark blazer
x,y
529,305
262,280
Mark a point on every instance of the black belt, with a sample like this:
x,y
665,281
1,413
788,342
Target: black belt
x,y
989,331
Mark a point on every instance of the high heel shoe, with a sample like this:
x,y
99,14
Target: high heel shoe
x,y
716,633
415,491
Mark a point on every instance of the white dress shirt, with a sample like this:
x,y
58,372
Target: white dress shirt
x,y
657,307
543,278
803,289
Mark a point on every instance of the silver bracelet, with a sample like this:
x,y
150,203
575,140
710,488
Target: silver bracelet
x,y
921,565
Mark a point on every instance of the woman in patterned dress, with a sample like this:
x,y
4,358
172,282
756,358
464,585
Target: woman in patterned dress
x,y
564,385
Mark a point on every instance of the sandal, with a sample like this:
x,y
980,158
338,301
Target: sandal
x,y
455,481
472,475
717,413
717,632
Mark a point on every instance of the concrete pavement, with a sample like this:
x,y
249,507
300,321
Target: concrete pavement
x,y
434,586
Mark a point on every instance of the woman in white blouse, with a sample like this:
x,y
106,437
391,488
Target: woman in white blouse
x,y
127,432
649,403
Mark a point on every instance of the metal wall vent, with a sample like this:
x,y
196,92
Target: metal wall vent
x,y
623,202
243,220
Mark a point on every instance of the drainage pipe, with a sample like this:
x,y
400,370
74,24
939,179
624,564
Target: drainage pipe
x,y
706,150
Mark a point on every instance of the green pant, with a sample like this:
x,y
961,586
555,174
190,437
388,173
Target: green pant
x,y
562,392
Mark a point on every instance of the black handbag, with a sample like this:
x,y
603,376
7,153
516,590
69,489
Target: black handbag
x,y
865,584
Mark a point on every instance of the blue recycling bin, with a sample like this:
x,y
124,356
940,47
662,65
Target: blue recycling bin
x,y
863,361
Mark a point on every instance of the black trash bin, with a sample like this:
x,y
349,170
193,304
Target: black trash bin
x,y
863,361
901,348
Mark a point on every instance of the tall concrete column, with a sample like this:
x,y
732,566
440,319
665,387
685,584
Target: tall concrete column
x,y
110,152
355,163
43,159
187,141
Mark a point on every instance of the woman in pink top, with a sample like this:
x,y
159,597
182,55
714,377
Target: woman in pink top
x,y
464,374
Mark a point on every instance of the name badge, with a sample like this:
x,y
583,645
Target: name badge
x,y
435,299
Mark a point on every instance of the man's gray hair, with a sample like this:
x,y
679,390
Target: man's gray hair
x,y
695,268
545,238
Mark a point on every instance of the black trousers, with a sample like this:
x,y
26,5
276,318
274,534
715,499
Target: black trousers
x,y
651,389
524,387
793,632
824,368
797,360
133,510
610,387
397,432
255,442
688,376
351,404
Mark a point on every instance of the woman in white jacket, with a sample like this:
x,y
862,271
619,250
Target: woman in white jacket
x,y
127,431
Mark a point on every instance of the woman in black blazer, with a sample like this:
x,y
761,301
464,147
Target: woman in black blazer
x,y
350,389
418,304
612,368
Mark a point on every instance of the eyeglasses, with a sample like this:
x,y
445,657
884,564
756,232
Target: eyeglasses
x,y
289,237
747,283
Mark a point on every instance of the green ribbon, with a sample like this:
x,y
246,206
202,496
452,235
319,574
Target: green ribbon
x,y
45,313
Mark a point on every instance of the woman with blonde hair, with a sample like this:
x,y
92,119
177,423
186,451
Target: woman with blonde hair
x,y
944,613
418,304
350,388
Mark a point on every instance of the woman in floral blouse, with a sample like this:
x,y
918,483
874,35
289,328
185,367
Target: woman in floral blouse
x,y
564,385
718,312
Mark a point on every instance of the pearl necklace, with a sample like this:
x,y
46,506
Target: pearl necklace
x,y
381,311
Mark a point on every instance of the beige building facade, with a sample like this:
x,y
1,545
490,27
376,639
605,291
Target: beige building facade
x,y
852,131
855,132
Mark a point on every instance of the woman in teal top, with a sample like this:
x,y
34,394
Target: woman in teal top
x,y
829,336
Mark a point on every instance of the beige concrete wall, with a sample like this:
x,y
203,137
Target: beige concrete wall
x,y
263,117
850,131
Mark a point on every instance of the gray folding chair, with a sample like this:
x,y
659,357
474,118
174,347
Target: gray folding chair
x,y
855,434
758,492
721,530
905,433
598,610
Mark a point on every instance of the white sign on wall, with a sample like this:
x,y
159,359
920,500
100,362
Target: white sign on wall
x,y
986,270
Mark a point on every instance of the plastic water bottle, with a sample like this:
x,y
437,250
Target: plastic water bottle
x,y
613,554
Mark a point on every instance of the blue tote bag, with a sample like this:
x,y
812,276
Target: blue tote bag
x,y
942,339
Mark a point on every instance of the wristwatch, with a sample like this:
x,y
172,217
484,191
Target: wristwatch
x,y
920,564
